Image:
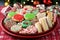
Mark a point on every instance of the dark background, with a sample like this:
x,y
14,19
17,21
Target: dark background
x,y
30,3
27,2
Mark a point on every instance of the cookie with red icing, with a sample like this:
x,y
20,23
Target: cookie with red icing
x,y
18,17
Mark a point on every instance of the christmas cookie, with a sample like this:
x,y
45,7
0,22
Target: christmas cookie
x,y
18,17
8,22
26,23
16,28
29,16
11,14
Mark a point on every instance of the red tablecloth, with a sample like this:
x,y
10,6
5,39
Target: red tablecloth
x,y
55,35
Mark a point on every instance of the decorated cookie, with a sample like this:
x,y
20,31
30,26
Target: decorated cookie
x,y
29,16
11,14
8,22
26,23
6,19
18,17
16,28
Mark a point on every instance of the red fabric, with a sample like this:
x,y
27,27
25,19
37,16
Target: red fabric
x,y
55,35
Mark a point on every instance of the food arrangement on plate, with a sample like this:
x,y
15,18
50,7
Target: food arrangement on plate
x,y
29,19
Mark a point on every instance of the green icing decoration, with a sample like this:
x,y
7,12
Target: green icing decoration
x,y
11,14
29,16
26,23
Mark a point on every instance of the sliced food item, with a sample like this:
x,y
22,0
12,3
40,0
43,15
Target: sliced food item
x,y
49,22
44,23
50,15
38,26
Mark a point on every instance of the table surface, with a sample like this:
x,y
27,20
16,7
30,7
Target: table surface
x,y
55,35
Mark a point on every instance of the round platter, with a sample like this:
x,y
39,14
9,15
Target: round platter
x,y
28,35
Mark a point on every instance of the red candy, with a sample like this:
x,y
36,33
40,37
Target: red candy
x,y
18,17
